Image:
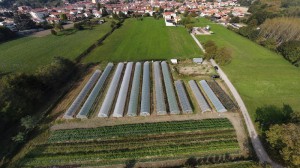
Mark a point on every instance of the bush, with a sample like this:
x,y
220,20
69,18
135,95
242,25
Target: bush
x,y
6,34
78,26
235,20
53,32
147,15
290,51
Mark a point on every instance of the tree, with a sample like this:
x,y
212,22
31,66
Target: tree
x,y
19,138
210,49
281,29
53,32
234,19
115,16
78,26
122,15
285,139
290,51
59,26
189,27
193,14
269,115
104,12
113,24
6,34
28,122
223,56
23,22
63,17
98,6
186,12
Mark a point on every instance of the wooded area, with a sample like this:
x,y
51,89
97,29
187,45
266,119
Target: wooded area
x,y
23,95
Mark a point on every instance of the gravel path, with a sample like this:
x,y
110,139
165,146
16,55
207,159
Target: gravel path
x,y
257,145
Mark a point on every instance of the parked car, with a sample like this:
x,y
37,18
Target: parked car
x,y
215,76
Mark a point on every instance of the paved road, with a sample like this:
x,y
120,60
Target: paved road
x,y
257,145
47,32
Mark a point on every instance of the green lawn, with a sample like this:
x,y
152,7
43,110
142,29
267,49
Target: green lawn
x,y
26,54
145,40
261,76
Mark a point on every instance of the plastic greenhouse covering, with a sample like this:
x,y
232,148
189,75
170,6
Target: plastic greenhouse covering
x,y
182,96
145,100
111,93
199,97
121,100
84,111
159,92
135,89
82,95
173,105
212,97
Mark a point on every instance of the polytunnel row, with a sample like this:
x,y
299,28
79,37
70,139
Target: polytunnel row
x,y
131,89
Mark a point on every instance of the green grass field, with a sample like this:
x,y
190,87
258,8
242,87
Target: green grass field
x,y
145,40
261,76
28,53
140,142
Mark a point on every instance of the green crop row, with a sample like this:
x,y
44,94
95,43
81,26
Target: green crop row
x,y
156,151
138,129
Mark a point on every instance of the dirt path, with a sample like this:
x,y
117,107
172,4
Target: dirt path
x,y
257,145
47,32
259,149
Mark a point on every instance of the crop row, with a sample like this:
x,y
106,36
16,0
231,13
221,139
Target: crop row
x,y
156,151
138,129
111,145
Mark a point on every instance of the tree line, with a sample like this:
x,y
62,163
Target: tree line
x,y
274,25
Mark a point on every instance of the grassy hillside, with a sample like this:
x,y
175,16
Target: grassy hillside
x,y
145,40
261,76
26,54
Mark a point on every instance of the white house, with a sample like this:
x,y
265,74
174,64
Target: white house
x,y
39,15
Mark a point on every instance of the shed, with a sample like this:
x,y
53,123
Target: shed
x,y
198,60
174,61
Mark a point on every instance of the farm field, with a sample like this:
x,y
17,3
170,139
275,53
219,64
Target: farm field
x,y
145,40
28,53
261,76
144,142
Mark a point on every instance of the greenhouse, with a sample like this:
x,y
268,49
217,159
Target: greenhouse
x,y
111,93
159,92
145,100
172,101
121,100
183,98
135,89
82,95
199,97
84,111
212,97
